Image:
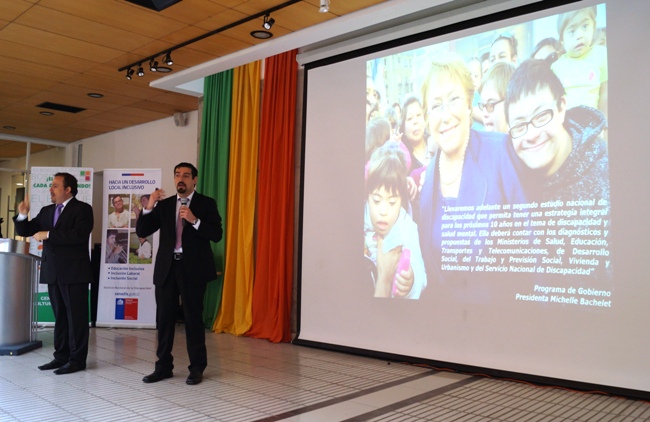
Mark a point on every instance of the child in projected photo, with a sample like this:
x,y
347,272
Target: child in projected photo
x,y
378,132
493,92
564,155
391,236
583,68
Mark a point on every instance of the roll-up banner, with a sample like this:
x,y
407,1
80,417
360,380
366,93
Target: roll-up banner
x,y
126,292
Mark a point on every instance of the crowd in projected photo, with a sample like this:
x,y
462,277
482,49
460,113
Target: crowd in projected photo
x,y
489,154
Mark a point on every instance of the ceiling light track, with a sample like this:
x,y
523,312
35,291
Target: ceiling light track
x,y
167,52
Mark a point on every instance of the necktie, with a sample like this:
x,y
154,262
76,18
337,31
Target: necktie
x,y
57,213
179,231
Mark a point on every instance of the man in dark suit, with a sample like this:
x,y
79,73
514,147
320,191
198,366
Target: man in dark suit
x,y
184,266
64,227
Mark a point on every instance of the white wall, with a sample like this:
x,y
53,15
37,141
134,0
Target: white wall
x,y
160,144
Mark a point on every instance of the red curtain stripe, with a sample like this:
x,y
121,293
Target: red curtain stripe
x,y
272,287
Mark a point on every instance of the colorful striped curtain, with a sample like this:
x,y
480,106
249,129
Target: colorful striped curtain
x,y
272,290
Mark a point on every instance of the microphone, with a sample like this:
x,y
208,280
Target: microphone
x,y
184,202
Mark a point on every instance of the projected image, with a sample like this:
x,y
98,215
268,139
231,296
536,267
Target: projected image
x,y
488,154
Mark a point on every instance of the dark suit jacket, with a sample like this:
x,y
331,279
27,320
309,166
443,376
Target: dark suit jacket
x,y
66,254
198,260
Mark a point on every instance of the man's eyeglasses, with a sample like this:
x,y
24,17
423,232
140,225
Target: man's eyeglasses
x,y
539,120
489,107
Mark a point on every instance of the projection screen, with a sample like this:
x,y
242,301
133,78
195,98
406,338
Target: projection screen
x,y
491,218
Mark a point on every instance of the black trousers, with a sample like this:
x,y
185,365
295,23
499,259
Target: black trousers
x,y
71,332
167,295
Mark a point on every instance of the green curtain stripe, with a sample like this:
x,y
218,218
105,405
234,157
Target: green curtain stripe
x,y
214,149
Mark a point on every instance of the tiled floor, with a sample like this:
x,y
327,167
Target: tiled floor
x,y
254,380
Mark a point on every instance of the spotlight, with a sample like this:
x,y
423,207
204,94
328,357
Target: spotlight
x,y
268,22
140,70
153,65
324,6
168,59
129,73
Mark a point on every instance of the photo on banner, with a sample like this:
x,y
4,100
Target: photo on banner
x,y
126,292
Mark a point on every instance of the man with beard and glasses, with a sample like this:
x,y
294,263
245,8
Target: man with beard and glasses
x,y
188,222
